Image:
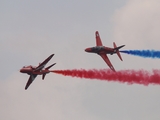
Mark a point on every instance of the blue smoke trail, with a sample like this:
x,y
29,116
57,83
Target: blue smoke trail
x,y
143,53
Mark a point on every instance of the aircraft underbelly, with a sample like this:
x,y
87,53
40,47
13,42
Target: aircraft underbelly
x,y
41,72
105,51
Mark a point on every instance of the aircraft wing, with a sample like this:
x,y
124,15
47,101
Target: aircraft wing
x,y
42,65
30,80
98,39
105,58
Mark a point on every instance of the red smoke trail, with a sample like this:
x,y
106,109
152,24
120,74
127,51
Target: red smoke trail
x,y
124,76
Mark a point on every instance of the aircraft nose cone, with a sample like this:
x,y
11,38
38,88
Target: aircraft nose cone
x,y
87,49
20,70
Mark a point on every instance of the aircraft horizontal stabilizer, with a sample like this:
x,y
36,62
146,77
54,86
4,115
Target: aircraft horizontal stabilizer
x,y
47,68
117,50
43,76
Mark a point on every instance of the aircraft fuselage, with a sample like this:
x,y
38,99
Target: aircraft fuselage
x,y
33,71
30,70
100,49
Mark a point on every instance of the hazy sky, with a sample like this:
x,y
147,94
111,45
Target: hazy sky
x,y
31,30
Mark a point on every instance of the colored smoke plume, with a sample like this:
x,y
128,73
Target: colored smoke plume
x,y
124,76
143,53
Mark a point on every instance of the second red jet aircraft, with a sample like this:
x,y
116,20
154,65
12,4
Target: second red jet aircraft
x,y
39,70
102,50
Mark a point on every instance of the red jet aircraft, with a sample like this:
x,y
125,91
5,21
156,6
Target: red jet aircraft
x,y
34,71
102,50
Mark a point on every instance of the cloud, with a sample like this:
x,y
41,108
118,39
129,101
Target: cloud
x,y
52,98
137,24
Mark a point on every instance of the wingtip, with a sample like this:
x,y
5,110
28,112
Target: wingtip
x,y
113,70
51,55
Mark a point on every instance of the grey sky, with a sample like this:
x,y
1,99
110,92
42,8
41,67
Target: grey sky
x,y
32,30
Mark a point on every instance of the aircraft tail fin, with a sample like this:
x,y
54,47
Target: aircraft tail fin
x,y
47,68
117,50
